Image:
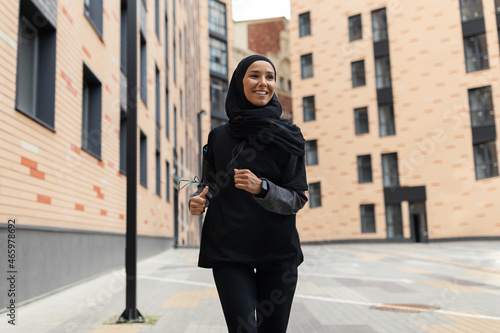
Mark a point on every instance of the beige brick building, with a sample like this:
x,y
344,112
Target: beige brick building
x,y
63,117
399,103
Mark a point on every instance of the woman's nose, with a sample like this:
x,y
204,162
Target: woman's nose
x,y
262,81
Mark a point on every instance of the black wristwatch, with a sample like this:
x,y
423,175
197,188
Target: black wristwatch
x,y
263,189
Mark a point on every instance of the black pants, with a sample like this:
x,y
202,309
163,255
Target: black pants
x,y
254,300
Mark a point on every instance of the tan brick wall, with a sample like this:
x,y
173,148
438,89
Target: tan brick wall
x,y
46,178
433,132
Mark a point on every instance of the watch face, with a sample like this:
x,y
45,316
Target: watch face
x,y
264,185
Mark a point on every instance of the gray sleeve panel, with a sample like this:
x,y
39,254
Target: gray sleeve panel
x,y
282,200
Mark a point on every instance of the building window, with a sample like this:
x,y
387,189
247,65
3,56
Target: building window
x,y
485,160
143,160
358,73
365,169
304,24
93,11
471,10
497,6
123,142
476,53
315,195
167,193
181,103
218,57
390,171
123,37
308,104
158,174
217,18
379,25
394,220
306,65
175,127
180,45
481,106
367,213
361,120
282,83
289,85
218,91
355,29
144,70
386,120
91,113
158,110
383,72
312,152
36,66
157,18
166,38
175,60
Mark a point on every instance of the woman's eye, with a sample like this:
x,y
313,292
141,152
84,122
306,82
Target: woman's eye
x,y
270,77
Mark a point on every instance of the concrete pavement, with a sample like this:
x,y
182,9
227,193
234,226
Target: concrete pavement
x,y
340,288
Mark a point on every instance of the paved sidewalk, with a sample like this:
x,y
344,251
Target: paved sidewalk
x,y
338,287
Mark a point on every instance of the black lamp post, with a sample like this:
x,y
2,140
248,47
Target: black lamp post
x,y
131,313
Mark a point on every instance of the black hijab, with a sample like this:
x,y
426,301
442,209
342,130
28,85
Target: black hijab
x,y
246,119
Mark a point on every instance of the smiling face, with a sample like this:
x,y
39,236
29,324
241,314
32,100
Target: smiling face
x,y
259,83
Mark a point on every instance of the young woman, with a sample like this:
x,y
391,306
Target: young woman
x,y
253,184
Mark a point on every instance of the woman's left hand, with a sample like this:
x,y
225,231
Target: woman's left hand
x,y
246,180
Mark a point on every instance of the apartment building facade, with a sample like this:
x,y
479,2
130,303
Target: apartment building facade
x,y
398,102
63,107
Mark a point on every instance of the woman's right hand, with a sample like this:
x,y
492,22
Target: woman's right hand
x,y
197,203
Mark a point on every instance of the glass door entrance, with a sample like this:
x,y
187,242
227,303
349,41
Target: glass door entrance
x,y
418,222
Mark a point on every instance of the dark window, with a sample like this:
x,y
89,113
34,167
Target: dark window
x,y
367,213
93,11
390,171
175,60
166,39
175,127
497,6
218,91
394,220
123,142
180,45
181,102
383,72
218,56
289,85
36,65
355,29
143,160
485,160
217,17
167,181
144,70
386,120
157,17
282,83
305,24
481,106
158,109
365,169
471,9
167,114
308,104
361,120
314,195
312,152
123,37
91,113
158,174
476,53
379,25
306,65
358,73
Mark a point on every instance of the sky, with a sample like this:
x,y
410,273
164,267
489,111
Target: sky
x,y
259,9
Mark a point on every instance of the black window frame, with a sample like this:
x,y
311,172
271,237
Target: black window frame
x,y
218,55
379,25
167,181
481,106
315,195
311,148
309,108
305,24
383,72
386,120
217,18
123,142
365,174
158,173
91,113
361,121
355,27
490,159
37,46
93,10
476,53
469,10
390,170
306,66
394,223
367,217
358,73
143,159
144,69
